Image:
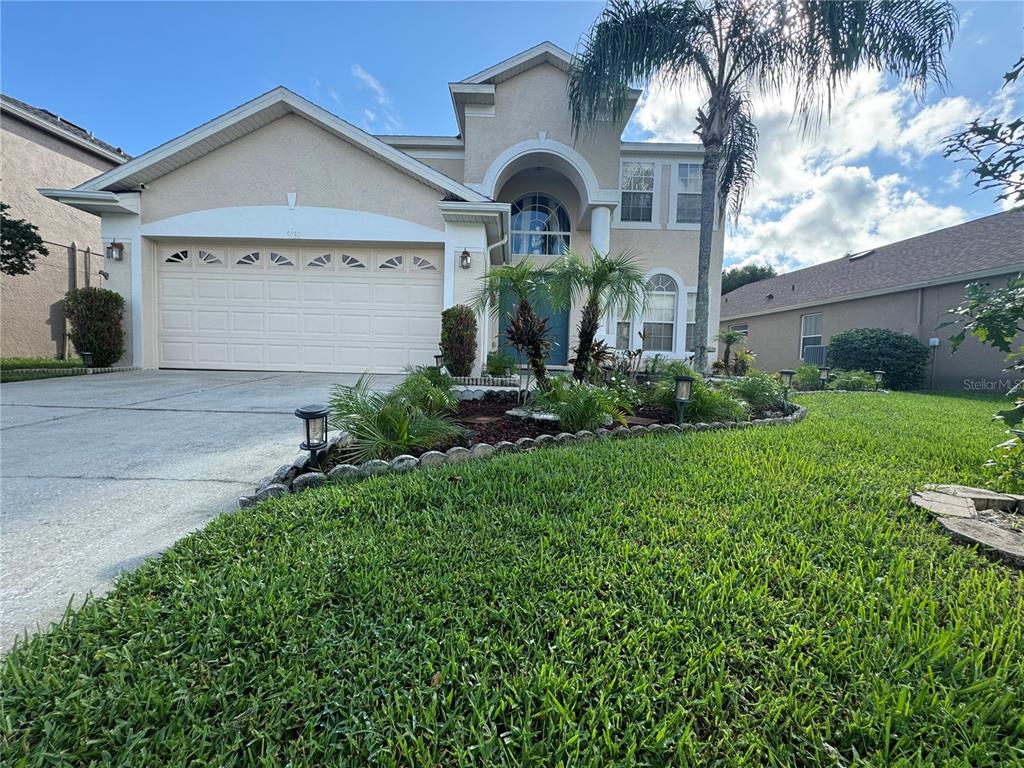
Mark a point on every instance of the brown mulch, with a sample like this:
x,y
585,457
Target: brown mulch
x,y
496,431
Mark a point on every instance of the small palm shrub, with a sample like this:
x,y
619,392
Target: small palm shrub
x,y
579,405
429,390
458,339
95,318
902,357
759,390
806,378
499,363
742,361
854,381
389,424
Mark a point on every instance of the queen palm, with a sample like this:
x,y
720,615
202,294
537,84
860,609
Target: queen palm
x,y
733,49
529,285
604,283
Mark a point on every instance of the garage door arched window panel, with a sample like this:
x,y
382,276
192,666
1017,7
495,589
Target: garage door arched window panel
x,y
540,226
392,262
424,264
178,257
209,258
280,260
322,261
352,262
249,259
660,314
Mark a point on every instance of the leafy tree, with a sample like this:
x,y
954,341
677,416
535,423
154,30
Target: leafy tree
x,y
729,339
20,244
751,273
607,282
527,331
996,149
733,49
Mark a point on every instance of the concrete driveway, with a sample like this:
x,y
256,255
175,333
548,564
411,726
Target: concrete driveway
x,y
100,472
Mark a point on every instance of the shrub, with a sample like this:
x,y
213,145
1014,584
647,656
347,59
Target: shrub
x,y
579,405
95,318
429,390
385,425
742,361
854,381
806,378
1007,468
902,357
707,404
757,389
499,363
458,339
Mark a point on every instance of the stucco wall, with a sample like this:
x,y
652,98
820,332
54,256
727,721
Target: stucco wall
x,y
291,155
526,104
775,338
31,311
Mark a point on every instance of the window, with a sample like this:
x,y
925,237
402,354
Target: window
x,y
660,314
688,193
249,260
810,332
209,258
425,264
352,262
637,192
540,226
741,327
395,262
623,334
323,261
691,320
280,260
178,257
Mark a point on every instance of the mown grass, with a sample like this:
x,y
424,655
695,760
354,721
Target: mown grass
x,y
15,363
755,597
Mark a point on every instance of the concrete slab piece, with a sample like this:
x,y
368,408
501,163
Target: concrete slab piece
x,y
982,498
997,541
943,504
99,472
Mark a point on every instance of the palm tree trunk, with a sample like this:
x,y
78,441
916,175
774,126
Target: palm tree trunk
x,y
590,320
708,189
536,353
725,357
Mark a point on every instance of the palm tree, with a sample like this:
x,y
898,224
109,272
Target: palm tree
x,y
729,339
606,282
527,331
732,49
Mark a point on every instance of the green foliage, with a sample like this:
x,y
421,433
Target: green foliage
x,y
737,277
579,405
20,244
458,339
430,391
1006,468
903,358
714,598
743,360
852,381
759,390
729,339
384,425
14,363
707,404
499,363
95,318
806,378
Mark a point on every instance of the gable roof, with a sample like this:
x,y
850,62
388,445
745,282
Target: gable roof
x,y
543,53
56,125
252,116
988,246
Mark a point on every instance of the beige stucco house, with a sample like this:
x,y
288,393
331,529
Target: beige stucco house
x,y
281,237
40,149
907,287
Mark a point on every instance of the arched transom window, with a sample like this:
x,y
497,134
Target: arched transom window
x,y
660,314
540,226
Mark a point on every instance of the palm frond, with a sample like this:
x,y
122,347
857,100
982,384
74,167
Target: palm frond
x,y
738,163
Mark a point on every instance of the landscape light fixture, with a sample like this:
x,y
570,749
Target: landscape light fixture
x,y
786,377
439,361
683,386
823,375
314,422
879,375
524,383
465,260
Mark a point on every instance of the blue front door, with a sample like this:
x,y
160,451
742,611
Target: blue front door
x,y
558,331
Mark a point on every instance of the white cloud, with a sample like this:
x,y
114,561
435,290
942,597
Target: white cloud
x,y
816,196
371,82
383,116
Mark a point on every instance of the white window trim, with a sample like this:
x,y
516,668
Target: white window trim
x,y
801,336
655,222
678,332
674,190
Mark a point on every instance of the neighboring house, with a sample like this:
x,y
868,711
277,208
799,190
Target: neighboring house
x,y
281,237
41,149
908,287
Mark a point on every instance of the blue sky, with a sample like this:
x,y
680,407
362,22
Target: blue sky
x,y
138,74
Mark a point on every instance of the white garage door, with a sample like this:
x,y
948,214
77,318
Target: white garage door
x,y
302,309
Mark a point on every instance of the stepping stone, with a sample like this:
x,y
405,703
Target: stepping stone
x,y
478,420
997,541
640,421
944,505
982,497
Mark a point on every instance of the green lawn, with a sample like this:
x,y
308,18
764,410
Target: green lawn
x,y
764,596
31,368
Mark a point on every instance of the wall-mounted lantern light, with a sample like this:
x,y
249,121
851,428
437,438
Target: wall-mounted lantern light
x,y
314,423
786,377
683,386
823,375
115,250
465,260
879,375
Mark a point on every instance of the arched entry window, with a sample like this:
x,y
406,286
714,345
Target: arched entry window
x,y
660,314
540,226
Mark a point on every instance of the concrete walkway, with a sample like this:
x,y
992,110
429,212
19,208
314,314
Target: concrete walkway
x,y
100,472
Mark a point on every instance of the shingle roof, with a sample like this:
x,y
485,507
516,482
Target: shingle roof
x,y
59,122
979,246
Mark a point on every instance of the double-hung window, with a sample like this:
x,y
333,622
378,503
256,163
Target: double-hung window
x,y
810,332
637,192
691,320
660,314
688,181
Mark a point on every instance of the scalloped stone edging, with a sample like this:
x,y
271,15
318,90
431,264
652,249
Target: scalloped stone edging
x,y
296,477
977,516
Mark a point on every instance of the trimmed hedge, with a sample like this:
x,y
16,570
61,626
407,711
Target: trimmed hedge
x,y
95,318
458,339
903,358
